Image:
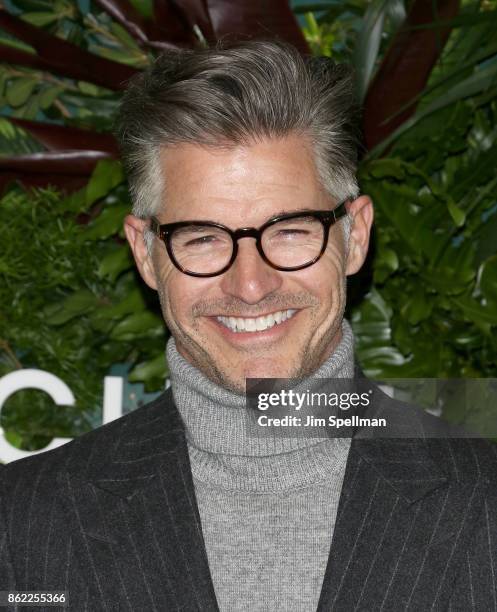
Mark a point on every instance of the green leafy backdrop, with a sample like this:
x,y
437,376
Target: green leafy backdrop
x,y
72,304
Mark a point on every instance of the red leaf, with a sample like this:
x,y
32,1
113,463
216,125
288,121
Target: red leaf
x,y
171,23
195,13
75,163
60,56
126,14
63,182
60,138
257,18
405,68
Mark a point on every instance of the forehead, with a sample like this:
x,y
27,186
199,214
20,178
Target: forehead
x,y
235,183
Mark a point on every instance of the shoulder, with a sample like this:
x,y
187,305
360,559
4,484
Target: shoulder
x,y
467,460
408,420
27,472
459,453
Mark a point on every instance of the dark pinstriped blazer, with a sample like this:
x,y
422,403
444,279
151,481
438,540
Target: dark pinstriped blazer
x,y
112,518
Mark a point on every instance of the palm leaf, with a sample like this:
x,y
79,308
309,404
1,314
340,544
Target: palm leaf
x,y
479,82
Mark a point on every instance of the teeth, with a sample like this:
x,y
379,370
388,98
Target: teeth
x,y
259,324
250,325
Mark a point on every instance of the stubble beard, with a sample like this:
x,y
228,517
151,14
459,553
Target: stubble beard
x,y
306,362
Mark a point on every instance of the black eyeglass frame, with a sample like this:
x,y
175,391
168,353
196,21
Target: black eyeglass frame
x,y
328,218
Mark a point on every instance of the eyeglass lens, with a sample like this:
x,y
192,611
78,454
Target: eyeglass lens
x,y
286,244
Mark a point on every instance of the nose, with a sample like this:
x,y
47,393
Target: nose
x,y
250,278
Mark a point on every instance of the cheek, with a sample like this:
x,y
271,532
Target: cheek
x,y
328,285
179,294
173,293
334,264
328,276
177,298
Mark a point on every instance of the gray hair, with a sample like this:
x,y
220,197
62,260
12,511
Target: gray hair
x,y
230,96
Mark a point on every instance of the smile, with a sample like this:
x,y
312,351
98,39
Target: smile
x,y
237,324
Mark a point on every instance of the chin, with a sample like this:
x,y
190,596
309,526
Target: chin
x,y
267,369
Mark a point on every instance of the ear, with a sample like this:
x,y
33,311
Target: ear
x,y
134,230
361,213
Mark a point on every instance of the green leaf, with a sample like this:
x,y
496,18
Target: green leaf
x,y
144,7
123,36
389,167
464,20
107,175
123,56
30,109
88,89
108,223
74,305
387,262
104,107
132,303
312,30
488,280
15,141
48,96
3,82
458,215
7,40
368,43
476,312
147,370
40,19
116,262
139,325
7,129
390,259
485,234
371,321
478,82
76,201
13,438
314,7
19,90
396,12
418,307
384,355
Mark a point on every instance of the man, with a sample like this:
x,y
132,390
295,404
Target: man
x,y
246,221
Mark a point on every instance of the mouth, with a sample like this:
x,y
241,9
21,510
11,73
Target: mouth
x,y
247,332
239,325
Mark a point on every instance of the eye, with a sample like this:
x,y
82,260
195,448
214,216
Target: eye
x,y
200,241
292,231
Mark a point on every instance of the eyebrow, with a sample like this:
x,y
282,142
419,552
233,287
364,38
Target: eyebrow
x,y
281,213
289,212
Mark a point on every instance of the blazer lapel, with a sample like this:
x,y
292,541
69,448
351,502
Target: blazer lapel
x,y
131,506
401,529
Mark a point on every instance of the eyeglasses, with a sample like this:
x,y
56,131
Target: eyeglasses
x,y
286,242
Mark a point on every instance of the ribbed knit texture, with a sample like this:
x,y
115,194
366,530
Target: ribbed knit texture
x,y
267,502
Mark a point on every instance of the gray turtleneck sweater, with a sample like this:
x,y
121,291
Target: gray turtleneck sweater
x,y
267,503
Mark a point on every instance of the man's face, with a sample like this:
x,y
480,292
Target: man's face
x,y
244,187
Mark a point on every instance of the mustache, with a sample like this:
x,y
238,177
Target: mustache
x,y
235,307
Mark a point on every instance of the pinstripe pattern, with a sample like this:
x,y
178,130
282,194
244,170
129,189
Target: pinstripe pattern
x,y
112,518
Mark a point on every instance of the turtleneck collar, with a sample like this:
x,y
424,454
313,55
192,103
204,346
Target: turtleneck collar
x,y
217,420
